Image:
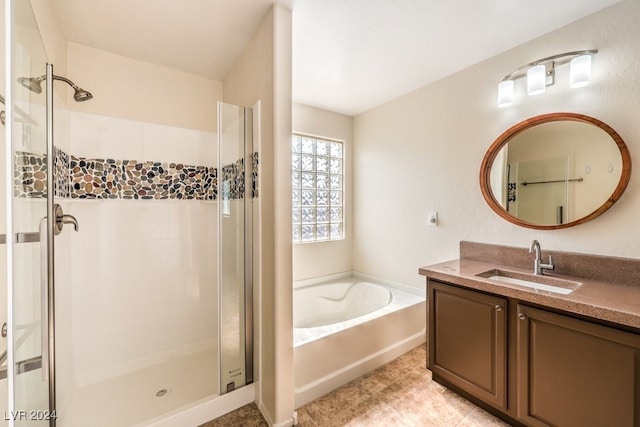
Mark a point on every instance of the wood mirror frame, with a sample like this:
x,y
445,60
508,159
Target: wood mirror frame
x,y
509,134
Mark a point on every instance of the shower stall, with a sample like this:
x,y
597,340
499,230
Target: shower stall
x,y
144,316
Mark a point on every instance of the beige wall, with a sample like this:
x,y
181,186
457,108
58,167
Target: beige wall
x,y
124,87
54,41
263,73
320,259
127,88
422,153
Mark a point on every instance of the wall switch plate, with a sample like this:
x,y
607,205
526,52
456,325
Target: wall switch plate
x,y
432,218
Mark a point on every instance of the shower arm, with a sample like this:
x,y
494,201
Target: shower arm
x,y
66,80
61,78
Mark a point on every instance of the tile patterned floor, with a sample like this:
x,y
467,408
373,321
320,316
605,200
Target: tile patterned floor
x,y
400,393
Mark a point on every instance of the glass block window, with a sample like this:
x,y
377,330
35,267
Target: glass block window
x,y
317,199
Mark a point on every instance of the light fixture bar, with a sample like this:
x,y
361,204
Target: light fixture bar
x,y
559,59
540,73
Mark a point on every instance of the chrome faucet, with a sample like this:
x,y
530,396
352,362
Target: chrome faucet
x,y
538,265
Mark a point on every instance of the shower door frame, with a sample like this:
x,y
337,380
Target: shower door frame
x,y
46,360
49,300
247,241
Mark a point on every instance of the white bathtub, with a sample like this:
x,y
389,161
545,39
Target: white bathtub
x,y
331,303
347,326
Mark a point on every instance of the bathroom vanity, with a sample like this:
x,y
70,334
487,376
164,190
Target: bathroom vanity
x,y
556,349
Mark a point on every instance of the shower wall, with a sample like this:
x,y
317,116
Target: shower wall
x,y
143,285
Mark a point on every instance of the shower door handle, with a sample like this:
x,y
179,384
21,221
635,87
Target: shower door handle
x,y
30,237
34,362
44,299
23,366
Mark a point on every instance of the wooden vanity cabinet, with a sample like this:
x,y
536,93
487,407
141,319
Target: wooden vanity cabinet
x,y
534,366
468,344
573,372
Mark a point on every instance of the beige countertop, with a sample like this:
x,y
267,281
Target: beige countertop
x,y
611,302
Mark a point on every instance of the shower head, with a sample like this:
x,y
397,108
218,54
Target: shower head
x,y
34,84
81,95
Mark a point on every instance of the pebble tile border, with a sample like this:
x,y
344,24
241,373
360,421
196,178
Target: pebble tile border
x,y
62,184
30,175
86,178
130,179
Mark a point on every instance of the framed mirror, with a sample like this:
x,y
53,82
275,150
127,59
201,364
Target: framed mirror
x,y
555,171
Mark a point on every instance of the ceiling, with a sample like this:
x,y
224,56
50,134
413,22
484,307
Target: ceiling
x,y
348,55
202,37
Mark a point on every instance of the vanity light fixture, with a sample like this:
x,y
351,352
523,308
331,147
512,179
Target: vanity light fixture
x,y
540,74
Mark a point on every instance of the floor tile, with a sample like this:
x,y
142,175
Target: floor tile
x,y
336,402
247,416
481,418
398,394
304,419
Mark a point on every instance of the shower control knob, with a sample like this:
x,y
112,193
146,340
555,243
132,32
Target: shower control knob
x,y
62,219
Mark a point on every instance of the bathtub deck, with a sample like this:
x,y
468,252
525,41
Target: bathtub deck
x,y
399,393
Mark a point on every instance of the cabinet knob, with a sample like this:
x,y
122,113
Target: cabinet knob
x,y
498,307
521,316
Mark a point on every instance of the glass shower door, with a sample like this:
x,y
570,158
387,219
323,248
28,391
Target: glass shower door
x,y
27,164
235,162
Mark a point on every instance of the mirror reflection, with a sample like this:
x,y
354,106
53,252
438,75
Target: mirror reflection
x,y
555,171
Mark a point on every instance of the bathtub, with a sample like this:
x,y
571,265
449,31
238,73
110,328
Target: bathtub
x,y
346,326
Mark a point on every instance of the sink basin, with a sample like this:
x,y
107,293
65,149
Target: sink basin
x,y
541,283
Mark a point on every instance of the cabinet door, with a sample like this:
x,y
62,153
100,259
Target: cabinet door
x,y
468,341
576,373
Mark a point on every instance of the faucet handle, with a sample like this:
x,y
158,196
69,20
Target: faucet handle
x,y
549,266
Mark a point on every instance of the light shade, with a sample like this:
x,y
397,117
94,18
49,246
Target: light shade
x,y
505,93
536,79
580,71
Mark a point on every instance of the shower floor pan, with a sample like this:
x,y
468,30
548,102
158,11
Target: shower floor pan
x,y
132,399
